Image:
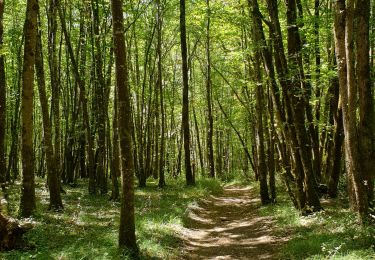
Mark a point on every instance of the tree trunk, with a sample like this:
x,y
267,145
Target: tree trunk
x,y
55,84
115,173
100,92
259,131
210,128
190,180
366,98
28,203
2,101
200,154
345,56
127,238
299,106
53,180
160,86
83,100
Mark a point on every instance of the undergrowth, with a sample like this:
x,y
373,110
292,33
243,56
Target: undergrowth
x,y
334,233
88,226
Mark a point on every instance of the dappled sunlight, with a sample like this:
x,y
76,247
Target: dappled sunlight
x,y
229,227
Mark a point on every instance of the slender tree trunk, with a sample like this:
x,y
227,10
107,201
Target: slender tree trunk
x,y
160,85
259,131
2,100
299,106
271,149
100,99
335,171
55,82
190,180
115,173
127,238
198,143
83,100
262,167
210,128
28,203
241,139
345,56
53,180
366,98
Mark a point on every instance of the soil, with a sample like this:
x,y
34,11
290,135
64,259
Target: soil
x,y
229,226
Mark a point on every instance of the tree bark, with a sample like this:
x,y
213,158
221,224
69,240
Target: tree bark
x,y
344,32
28,204
366,98
100,92
299,106
55,83
2,100
259,106
53,180
160,85
127,238
115,173
210,127
190,180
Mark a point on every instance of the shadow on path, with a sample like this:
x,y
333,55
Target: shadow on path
x,y
229,227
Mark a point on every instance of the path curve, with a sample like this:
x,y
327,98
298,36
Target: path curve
x,y
229,227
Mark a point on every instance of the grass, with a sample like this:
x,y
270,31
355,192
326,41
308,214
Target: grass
x,y
334,233
88,226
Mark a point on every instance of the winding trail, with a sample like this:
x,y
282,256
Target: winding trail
x,y
229,227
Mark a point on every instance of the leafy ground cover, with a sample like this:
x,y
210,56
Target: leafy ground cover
x,y
88,226
334,233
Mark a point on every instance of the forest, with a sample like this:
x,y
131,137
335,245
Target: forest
x,y
173,129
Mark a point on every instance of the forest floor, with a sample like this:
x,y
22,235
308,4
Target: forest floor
x,y
230,226
212,220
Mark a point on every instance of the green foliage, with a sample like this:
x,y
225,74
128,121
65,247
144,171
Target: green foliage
x,y
334,233
88,226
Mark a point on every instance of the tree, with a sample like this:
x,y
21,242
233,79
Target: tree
x,y
353,72
2,100
101,105
190,180
259,96
53,180
55,86
127,237
210,127
160,86
28,203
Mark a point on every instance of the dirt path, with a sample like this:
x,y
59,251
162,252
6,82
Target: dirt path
x,y
229,227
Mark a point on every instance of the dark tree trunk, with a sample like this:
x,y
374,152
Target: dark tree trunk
x,y
190,180
28,203
210,128
160,86
299,106
200,154
259,95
